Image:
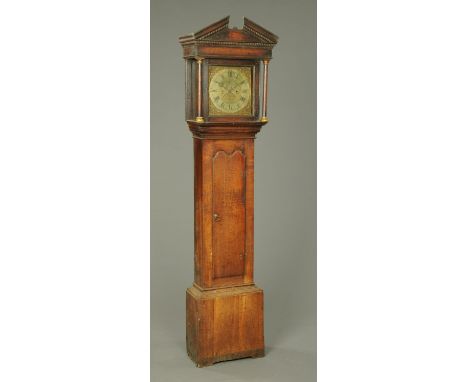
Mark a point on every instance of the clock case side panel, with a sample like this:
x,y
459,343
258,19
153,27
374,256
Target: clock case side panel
x,y
255,64
190,89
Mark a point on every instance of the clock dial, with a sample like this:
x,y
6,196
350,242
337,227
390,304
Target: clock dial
x,y
230,90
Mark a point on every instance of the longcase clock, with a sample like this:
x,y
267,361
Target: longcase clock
x,y
225,107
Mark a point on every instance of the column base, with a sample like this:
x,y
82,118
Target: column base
x,y
224,324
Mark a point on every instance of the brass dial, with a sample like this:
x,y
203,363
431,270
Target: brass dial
x,y
230,90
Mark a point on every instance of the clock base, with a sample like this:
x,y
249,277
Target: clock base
x,y
224,324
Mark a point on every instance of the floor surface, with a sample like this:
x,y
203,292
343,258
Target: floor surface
x,y
288,358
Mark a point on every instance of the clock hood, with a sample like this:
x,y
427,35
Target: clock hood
x,y
252,41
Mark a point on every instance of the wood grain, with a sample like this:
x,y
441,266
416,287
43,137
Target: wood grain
x,y
224,324
224,308
228,214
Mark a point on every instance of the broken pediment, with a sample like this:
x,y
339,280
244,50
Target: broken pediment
x,y
252,36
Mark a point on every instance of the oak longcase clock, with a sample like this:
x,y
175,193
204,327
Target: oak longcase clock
x,y
225,107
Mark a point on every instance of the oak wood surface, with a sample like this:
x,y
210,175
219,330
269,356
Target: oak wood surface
x,y
224,324
224,308
224,203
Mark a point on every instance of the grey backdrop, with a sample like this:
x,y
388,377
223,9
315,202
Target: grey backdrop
x,y
285,192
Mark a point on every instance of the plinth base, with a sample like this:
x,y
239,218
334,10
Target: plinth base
x,y
224,324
